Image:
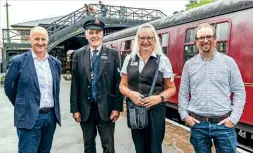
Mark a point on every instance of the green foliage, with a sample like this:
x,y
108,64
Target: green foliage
x,y
194,4
2,79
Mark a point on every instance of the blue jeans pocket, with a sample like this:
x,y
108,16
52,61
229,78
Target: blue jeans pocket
x,y
225,140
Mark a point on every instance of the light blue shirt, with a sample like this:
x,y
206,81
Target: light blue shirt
x,y
45,81
211,83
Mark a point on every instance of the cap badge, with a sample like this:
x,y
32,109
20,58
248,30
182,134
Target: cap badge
x,y
96,21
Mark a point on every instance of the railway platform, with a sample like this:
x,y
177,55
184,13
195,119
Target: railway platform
x,y
68,138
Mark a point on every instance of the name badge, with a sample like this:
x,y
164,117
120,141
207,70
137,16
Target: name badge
x,y
134,64
104,57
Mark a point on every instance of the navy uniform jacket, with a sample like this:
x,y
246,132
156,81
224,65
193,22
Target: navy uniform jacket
x,y
22,88
108,95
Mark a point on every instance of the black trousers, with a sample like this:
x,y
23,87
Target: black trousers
x,y
104,128
149,140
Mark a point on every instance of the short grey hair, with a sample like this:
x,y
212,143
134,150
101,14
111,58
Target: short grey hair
x,y
39,28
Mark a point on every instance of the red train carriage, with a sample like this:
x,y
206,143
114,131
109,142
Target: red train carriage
x,y
234,30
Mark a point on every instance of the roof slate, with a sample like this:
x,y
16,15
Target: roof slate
x,y
36,22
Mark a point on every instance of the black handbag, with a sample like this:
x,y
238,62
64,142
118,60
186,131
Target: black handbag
x,y
137,116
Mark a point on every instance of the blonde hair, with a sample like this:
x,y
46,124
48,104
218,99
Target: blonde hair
x,y
136,47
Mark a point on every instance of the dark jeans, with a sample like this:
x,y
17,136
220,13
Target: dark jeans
x,y
104,128
203,133
38,139
149,140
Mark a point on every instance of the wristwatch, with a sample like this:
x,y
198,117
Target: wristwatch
x,y
162,98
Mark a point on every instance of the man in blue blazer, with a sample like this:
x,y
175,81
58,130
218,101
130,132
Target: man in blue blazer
x,y
32,85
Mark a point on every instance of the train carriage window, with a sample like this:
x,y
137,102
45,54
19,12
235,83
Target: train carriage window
x,y
132,44
165,41
122,46
160,38
221,47
190,49
222,31
190,36
126,47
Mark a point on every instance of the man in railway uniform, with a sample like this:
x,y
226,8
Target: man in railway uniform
x,y
95,98
32,85
210,77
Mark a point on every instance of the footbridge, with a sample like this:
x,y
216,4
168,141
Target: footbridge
x,y
66,33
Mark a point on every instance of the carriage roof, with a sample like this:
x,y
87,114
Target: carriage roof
x,y
207,11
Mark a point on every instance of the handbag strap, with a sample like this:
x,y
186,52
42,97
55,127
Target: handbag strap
x,y
155,78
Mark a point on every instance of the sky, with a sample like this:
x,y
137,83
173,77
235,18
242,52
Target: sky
x,y
28,10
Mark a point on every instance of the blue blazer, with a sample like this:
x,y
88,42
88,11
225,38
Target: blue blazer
x,y
22,88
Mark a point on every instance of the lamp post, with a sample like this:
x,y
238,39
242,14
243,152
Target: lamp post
x,y
7,21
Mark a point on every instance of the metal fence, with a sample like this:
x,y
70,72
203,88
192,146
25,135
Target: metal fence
x,y
121,13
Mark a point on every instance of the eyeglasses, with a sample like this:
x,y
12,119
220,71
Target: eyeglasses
x,y
147,38
206,37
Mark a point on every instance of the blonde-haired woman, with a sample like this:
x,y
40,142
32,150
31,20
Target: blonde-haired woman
x,y
137,76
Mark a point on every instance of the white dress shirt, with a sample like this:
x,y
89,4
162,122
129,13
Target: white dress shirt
x,y
45,81
98,48
91,52
165,66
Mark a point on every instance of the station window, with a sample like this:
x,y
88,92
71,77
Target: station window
x,y
108,31
165,42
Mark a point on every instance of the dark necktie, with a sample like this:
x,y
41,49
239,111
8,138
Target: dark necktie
x,y
94,58
94,74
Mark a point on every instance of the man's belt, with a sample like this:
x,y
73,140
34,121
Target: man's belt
x,y
211,119
45,110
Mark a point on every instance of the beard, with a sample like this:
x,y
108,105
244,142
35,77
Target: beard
x,y
206,48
